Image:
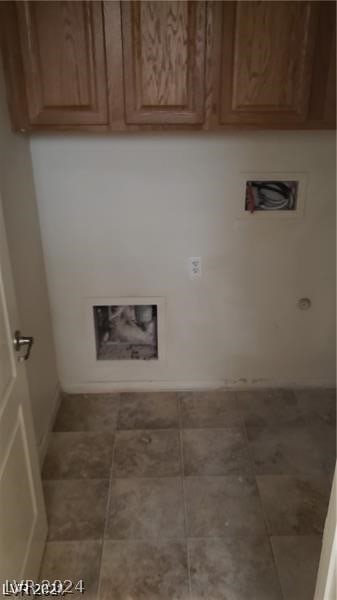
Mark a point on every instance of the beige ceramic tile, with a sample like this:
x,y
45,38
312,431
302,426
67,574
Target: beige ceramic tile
x,y
144,571
149,411
76,508
87,412
294,505
210,409
215,452
146,509
79,455
75,562
147,453
233,568
218,506
297,559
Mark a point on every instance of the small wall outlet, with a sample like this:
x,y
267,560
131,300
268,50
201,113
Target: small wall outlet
x,y
194,267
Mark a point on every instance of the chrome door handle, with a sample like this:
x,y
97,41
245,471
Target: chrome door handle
x,y
19,341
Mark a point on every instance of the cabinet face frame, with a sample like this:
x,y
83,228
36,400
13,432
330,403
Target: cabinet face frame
x,y
231,110
92,112
192,110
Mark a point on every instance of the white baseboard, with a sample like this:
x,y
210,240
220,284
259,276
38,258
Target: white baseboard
x,y
152,386
42,449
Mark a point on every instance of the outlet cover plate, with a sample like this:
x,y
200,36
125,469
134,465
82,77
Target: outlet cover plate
x,y
194,267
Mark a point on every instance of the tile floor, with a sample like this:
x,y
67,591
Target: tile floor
x,y
190,496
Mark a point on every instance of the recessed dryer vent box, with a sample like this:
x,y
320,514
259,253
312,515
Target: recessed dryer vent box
x,y
126,331
124,337
270,195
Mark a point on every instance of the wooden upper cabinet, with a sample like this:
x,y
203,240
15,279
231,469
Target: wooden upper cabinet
x,y
164,47
185,64
266,54
63,62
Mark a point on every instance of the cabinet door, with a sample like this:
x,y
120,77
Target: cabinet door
x,y
164,61
322,106
266,61
63,62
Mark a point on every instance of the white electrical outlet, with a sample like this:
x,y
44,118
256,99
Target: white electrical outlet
x,y
194,267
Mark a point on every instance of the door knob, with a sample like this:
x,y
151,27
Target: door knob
x,y
20,341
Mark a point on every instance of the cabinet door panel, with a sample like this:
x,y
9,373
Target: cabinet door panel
x,y
267,56
164,61
63,62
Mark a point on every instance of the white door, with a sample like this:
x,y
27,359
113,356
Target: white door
x,y
23,524
326,584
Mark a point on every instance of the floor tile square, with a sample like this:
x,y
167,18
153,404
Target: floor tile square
x,y
269,407
76,508
144,571
75,455
218,506
209,409
297,559
215,452
146,508
293,450
87,412
149,411
294,505
147,453
318,406
233,568
74,561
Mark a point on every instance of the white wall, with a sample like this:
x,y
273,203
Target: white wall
x,y
121,214
24,240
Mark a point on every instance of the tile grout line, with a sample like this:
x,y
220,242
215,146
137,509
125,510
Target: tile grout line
x,y
304,475
276,568
181,430
268,535
248,446
191,537
254,474
108,503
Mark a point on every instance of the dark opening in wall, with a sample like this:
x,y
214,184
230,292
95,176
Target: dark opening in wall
x,y
271,195
126,332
